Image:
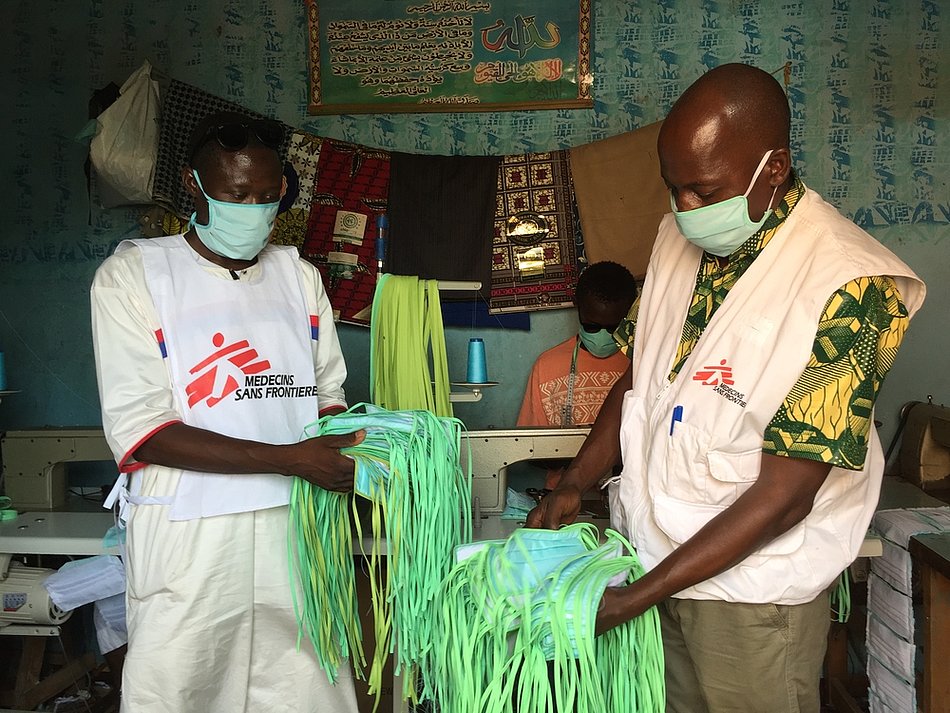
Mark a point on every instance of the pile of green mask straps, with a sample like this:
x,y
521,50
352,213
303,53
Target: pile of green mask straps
x,y
515,629
408,468
841,599
408,368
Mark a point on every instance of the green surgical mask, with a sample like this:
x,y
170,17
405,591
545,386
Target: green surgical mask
x,y
601,343
235,230
720,228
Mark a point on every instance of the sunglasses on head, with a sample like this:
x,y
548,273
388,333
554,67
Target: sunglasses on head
x,y
234,136
594,327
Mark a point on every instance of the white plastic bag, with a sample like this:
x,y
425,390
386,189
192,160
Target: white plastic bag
x,y
124,148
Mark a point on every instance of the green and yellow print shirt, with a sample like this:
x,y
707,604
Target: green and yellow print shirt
x,y
827,414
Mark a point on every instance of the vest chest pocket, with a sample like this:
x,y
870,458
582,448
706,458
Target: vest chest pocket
x,y
732,473
679,464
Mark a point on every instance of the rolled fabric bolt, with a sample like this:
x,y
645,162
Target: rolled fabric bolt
x,y
477,370
382,230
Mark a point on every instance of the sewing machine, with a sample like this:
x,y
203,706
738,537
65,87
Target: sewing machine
x,y
492,452
34,463
925,447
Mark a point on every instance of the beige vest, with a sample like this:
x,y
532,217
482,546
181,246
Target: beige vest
x,y
692,447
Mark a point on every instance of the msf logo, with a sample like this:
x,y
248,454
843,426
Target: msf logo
x,y
713,375
221,373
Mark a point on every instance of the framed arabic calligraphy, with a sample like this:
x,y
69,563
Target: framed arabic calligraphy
x,y
379,56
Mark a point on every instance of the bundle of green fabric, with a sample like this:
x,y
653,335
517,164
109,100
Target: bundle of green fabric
x,y
408,368
509,607
408,468
841,598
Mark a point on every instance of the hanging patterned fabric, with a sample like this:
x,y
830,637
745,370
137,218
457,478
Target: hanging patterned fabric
x,y
183,105
534,263
350,192
515,629
408,467
408,368
303,154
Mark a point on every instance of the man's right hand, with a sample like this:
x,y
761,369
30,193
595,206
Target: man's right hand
x,y
559,507
319,461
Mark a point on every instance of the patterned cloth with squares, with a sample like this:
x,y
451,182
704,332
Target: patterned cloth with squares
x,y
336,190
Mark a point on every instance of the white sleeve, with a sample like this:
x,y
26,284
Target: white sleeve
x,y
134,388
328,364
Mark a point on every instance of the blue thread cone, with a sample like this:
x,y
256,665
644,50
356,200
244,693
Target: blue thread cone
x,y
477,371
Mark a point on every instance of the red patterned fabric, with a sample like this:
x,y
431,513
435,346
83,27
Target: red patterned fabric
x,y
350,178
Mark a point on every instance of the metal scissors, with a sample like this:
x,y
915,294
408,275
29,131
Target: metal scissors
x,y
538,493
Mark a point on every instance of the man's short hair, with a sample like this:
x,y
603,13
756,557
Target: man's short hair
x,y
607,282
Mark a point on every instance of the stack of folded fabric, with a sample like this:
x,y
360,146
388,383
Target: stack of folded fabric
x,y
892,651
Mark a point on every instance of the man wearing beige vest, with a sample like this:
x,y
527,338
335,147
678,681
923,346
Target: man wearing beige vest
x,y
751,467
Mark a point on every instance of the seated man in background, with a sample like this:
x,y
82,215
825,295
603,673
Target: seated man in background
x,y
569,382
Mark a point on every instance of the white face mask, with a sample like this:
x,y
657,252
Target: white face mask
x,y
722,227
235,230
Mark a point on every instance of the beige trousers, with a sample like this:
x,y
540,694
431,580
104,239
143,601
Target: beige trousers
x,y
211,620
744,658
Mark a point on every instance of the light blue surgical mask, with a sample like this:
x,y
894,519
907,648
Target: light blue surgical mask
x,y
235,230
530,556
547,566
722,227
601,343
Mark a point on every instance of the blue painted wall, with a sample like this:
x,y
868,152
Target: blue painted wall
x,y
869,89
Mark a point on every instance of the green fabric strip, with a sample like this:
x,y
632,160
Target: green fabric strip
x,y
516,635
408,467
408,367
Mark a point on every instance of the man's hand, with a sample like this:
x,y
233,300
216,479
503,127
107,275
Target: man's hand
x,y
559,507
319,461
780,498
610,610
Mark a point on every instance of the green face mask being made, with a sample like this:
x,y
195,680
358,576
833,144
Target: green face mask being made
x,y
516,623
601,343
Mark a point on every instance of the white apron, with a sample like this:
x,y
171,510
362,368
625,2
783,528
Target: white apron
x,y
240,362
692,447
211,618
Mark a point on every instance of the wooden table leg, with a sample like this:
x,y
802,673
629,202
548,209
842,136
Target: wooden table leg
x,y
837,677
836,657
936,689
31,664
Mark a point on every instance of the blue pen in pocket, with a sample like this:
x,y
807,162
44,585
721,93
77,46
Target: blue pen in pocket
x,y
677,416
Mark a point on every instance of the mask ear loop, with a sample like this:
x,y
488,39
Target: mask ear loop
x,y
500,634
409,467
210,201
755,177
758,170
